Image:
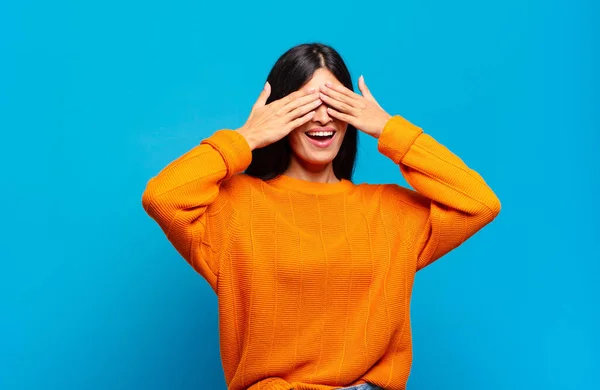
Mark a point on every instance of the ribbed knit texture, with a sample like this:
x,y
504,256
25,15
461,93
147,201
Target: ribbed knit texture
x,y
314,279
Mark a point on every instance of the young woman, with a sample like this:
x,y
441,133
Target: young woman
x,y
314,273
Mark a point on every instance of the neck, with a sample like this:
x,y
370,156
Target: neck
x,y
320,173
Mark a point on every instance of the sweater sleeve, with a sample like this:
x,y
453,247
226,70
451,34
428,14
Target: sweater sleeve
x,y
186,202
452,201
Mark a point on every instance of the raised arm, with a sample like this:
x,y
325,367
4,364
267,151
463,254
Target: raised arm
x,y
453,201
181,196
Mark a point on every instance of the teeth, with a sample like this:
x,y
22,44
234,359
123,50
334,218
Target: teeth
x,y
321,133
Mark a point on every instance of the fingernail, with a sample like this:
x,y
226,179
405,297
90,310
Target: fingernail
x,y
311,90
266,84
328,83
321,95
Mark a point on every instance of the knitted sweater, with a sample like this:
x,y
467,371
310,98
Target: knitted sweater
x,y
314,279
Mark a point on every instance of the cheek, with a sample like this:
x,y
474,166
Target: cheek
x,y
343,126
295,138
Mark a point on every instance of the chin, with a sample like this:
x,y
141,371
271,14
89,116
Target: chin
x,y
317,160
314,156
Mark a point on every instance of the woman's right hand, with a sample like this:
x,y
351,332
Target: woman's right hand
x,y
270,123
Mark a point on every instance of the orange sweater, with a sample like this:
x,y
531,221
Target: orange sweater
x,y
314,279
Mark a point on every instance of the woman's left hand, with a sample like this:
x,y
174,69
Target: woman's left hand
x,y
362,112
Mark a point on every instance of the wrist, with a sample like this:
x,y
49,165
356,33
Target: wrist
x,y
384,121
243,131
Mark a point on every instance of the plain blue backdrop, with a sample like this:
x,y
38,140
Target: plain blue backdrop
x,y
97,97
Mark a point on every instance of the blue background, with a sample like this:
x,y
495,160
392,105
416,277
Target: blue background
x,y
96,97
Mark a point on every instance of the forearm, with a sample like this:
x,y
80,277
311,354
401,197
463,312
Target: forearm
x,y
193,176
179,197
434,171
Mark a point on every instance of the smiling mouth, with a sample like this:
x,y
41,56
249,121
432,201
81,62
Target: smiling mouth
x,y
320,135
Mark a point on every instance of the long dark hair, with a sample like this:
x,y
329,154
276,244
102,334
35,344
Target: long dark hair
x,y
291,71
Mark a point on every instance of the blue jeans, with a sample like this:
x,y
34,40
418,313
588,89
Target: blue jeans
x,y
363,386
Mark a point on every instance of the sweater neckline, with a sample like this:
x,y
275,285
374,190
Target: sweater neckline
x,y
310,187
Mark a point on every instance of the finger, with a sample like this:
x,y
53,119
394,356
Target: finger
x,y
264,95
303,99
338,105
364,89
339,115
339,96
339,88
300,121
299,111
290,98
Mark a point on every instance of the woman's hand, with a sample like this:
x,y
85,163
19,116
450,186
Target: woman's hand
x,y
270,123
362,112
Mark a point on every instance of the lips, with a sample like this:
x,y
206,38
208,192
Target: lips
x,y
322,137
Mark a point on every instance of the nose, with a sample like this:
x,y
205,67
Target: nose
x,y
321,115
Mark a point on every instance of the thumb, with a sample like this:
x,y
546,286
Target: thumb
x,y
364,89
264,95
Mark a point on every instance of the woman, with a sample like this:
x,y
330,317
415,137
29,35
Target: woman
x,y
314,273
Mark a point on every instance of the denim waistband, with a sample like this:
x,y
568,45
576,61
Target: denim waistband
x,y
362,386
